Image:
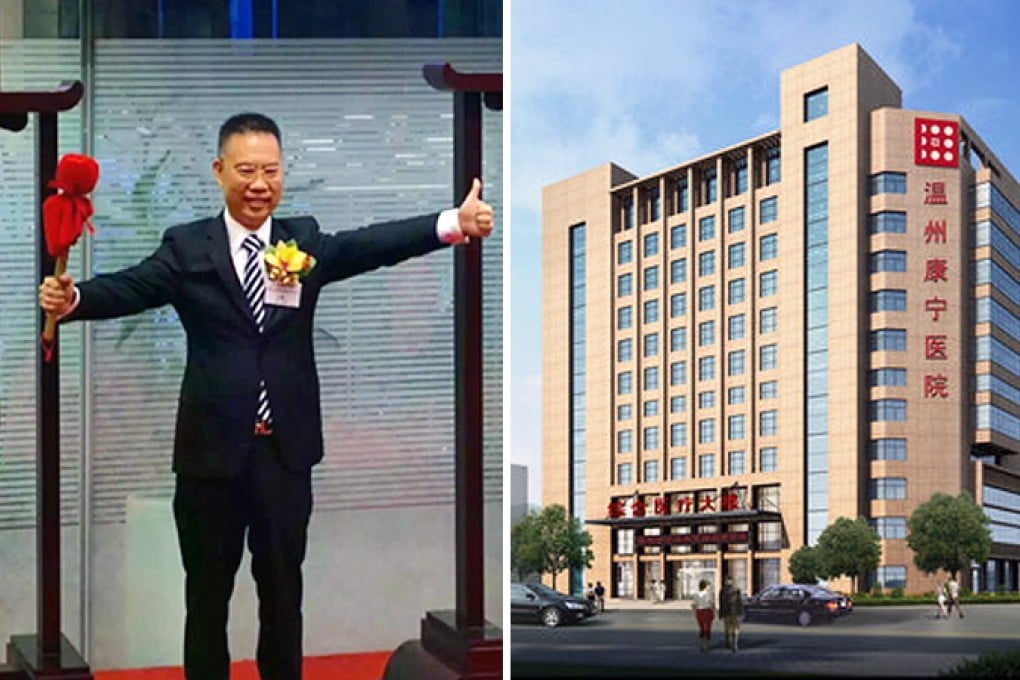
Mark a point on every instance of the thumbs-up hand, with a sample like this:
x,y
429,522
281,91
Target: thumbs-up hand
x,y
474,214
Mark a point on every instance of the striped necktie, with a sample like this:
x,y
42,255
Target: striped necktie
x,y
254,285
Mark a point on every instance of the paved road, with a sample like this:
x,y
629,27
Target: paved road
x,y
900,641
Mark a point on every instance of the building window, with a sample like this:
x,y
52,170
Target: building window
x,y
706,368
678,373
737,427
624,318
651,311
770,536
706,228
650,408
768,320
651,244
656,203
767,459
768,210
881,410
735,220
887,222
625,546
768,283
678,468
683,201
768,390
651,376
737,327
651,277
706,465
735,363
887,488
735,395
678,270
624,350
678,404
706,431
890,528
768,247
678,339
706,263
677,305
706,298
625,252
887,183
624,383
625,441
772,166
768,423
891,577
768,357
737,291
706,399
651,439
887,449
740,176
735,256
888,300
678,434
624,412
624,285
651,345
887,340
651,470
888,261
711,185
677,236
623,473
628,213
706,333
735,465
816,104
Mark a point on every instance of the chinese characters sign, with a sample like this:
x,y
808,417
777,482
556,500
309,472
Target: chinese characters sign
x,y
936,142
682,504
688,539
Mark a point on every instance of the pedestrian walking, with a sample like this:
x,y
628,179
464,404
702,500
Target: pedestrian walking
x,y
940,596
954,597
703,605
600,596
731,609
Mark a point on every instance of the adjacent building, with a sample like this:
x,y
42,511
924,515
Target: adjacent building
x,y
818,322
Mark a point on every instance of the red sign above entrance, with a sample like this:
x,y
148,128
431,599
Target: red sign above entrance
x,y
688,539
936,142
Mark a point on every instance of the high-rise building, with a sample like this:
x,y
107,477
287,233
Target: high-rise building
x,y
818,322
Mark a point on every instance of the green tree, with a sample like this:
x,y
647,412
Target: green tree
x,y
848,547
548,542
947,532
805,565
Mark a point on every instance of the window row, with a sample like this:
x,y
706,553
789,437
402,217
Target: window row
x,y
736,464
768,246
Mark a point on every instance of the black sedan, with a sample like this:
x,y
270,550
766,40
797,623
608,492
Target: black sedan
x,y
536,602
803,604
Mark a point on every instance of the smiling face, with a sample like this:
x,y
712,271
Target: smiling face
x,y
250,173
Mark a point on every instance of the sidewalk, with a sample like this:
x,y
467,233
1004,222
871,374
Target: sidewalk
x,y
617,604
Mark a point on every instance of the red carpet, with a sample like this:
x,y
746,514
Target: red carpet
x,y
368,666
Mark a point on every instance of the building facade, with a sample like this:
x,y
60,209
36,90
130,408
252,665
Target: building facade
x,y
815,323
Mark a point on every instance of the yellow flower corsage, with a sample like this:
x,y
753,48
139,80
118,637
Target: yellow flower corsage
x,y
286,263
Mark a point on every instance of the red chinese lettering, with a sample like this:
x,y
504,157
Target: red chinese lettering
x,y
684,504
730,501
935,193
936,386
661,508
936,306
707,503
638,508
936,269
615,509
935,347
935,230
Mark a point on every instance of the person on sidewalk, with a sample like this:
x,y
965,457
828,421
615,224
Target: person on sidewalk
x,y
600,596
703,604
954,597
940,596
731,609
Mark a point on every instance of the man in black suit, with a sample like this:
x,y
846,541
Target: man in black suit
x,y
249,427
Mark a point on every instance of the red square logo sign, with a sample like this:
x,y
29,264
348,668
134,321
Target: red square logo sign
x,y
936,142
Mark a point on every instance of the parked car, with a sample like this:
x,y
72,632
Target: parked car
x,y
803,604
536,602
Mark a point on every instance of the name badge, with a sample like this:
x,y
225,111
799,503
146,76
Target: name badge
x,y
283,295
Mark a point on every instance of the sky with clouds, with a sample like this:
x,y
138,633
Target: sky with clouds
x,y
637,83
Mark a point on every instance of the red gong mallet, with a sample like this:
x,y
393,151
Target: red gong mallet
x,y
64,215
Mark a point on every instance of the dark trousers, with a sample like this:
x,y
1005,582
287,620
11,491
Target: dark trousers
x,y
273,506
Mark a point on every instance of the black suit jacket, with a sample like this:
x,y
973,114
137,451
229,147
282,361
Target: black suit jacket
x,y
193,271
